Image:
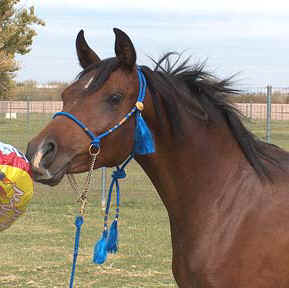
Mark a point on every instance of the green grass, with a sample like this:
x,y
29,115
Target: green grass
x,y
279,131
37,250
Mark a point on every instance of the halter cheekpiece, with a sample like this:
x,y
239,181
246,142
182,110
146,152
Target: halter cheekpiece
x,y
143,144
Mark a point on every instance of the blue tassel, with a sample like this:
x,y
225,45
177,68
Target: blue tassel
x,y
100,249
143,140
112,243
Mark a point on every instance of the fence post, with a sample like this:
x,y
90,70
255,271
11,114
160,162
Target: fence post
x,y
103,187
27,111
10,110
247,113
250,110
268,117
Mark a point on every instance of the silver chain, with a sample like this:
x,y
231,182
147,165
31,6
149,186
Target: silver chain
x,y
84,194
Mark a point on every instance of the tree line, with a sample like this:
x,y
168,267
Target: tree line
x,y
16,35
33,91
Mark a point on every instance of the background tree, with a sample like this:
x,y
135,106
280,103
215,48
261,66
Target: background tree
x,y
16,36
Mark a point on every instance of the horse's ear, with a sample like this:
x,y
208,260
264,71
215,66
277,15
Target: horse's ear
x,y
124,49
86,56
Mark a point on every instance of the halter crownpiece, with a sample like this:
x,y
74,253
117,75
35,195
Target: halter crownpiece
x,y
143,139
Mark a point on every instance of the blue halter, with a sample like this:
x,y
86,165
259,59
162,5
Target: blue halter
x,y
143,140
143,144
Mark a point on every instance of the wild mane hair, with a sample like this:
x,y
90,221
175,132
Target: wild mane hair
x,y
177,83
208,94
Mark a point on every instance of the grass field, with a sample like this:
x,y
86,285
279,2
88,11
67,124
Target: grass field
x,y
279,132
37,250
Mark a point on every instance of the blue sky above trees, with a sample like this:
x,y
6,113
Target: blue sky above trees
x,y
251,38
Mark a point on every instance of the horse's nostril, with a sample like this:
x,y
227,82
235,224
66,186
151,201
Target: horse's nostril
x,y
41,156
28,153
49,147
49,152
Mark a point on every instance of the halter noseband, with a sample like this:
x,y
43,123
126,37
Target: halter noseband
x,y
95,143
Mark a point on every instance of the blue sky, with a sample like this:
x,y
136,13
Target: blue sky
x,y
250,38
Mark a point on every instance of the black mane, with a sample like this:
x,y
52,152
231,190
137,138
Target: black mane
x,y
203,94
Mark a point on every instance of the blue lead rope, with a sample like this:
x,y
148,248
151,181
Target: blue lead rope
x,y
108,243
78,223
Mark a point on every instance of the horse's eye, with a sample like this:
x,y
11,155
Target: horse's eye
x,y
115,99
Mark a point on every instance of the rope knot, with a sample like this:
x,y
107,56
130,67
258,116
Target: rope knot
x,y
118,174
78,221
95,142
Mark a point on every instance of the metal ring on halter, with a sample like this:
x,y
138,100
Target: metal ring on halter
x,y
93,153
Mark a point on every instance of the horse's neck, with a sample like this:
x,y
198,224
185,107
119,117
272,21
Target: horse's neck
x,y
189,173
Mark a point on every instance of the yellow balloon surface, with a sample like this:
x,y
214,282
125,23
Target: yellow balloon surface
x,y
16,190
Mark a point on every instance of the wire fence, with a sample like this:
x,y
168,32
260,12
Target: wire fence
x,y
32,116
263,104
255,111
21,109
258,111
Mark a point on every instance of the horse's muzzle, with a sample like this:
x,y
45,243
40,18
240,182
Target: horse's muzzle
x,y
41,156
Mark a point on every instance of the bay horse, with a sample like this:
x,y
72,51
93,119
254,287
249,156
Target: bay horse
x,y
225,191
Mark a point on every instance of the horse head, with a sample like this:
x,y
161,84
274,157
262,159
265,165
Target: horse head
x,y
102,95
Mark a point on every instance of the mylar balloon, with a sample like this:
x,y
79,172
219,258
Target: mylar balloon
x,y
16,185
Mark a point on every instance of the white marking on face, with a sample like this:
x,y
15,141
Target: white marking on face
x,y
37,158
88,82
46,175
